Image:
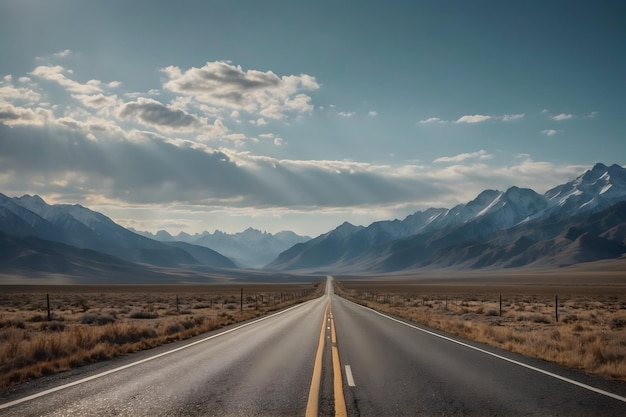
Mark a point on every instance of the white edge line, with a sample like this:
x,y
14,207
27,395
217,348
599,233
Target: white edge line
x,y
130,365
562,378
349,376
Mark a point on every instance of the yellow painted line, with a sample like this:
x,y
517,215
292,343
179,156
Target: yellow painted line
x,y
340,401
312,406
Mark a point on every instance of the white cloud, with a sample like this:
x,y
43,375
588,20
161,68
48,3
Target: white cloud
x,y
180,103
432,120
236,136
562,116
477,118
157,154
549,132
148,170
511,117
96,101
57,74
208,110
228,86
372,113
258,122
64,53
592,115
538,175
239,138
346,114
92,127
8,92
152,113
11,115
482,154
463,182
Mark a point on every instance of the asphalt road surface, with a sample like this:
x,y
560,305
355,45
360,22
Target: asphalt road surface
x,y
401,369
324,357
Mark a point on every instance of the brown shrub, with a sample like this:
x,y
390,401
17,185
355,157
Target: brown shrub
x,y
592,339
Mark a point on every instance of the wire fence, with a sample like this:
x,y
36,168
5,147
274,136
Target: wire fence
x,y
557,308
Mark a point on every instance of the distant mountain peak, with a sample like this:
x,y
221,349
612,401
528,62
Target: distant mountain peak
x,y
164,236
33,197
595,189
79,228
346,228
249,248
514,190
347,225
252,229
594,174
31,200
455,236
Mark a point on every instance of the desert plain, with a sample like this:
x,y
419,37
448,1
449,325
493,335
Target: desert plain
x,y
572,316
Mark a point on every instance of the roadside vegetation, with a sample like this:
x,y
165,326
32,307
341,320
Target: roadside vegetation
x,y
89,324
590,333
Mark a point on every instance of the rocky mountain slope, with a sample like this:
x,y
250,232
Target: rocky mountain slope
x,y
34,231
498,229
250,248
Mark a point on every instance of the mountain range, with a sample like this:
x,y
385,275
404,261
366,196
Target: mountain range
x,y
583,220
580,221
250,248
39,237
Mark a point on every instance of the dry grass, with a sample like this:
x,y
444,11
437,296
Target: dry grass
x,y
92,323
590,333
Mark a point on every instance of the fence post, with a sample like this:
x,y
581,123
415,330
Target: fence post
x,y
48,304
556,308
500,305
177,303
241,302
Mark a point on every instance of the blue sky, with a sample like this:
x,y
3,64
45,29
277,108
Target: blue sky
x,y
294,115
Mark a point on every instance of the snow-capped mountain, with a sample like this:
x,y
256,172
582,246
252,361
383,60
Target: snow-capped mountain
x,y
494,209
580,221
250,248
594,190
427,237
19,221
82,228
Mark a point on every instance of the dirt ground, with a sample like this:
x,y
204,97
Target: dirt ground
x,y
575,319
87,323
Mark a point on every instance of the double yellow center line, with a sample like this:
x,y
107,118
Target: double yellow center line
x,y
312,409
340,402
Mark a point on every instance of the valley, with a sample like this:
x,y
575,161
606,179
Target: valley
x,y
581,221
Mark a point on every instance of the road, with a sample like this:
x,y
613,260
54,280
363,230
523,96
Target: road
x,y
324,357
262,369
400,370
